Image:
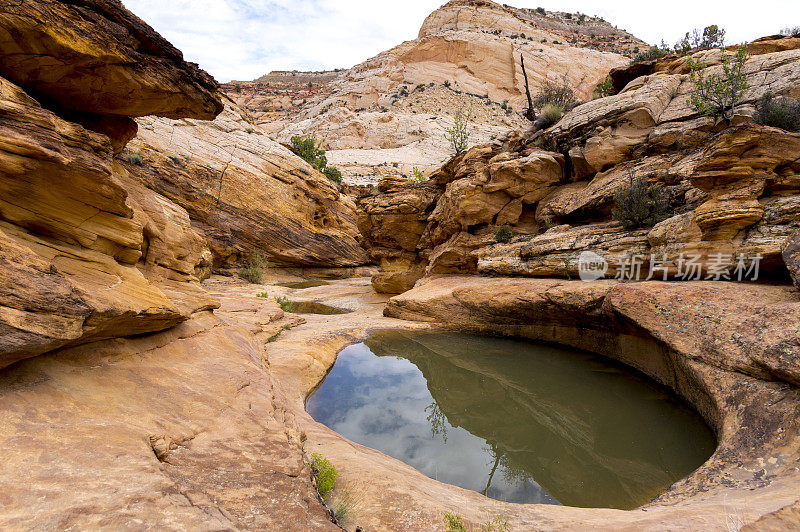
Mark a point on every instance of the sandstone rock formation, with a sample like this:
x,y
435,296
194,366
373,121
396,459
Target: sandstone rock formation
x,y
181,429
65,216
245,192
94,247
96,57
730,192
388,115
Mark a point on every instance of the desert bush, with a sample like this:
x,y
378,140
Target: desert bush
x,y
251,272
498,524
333,174
133,158
551,113
654,52
343,505
503,235
638,204
782,112
540,10
454,522
717,95
418,176
325,473
284,302
176,160
310,151
458,135
559,93
603,88
793,31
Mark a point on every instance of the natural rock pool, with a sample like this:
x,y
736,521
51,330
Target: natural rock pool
x,y
515,420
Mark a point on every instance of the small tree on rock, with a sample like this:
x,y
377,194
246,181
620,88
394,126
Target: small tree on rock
x,y
458,135
717,95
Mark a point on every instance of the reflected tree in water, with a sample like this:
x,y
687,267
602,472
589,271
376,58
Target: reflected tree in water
x,y
438,420
501,460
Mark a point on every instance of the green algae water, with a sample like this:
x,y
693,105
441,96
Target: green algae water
x,y
517,421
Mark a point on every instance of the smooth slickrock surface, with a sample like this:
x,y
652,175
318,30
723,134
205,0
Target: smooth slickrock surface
x,y
203,426
181,430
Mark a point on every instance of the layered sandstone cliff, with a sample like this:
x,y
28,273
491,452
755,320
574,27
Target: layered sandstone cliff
x,y
245,192
389,114
95,247
730,192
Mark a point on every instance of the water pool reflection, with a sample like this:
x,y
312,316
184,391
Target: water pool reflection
x,y
516,420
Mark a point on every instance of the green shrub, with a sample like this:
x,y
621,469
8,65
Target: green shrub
x,y
783,112
251,272
325,473
250,130
418,177
654,52
540,10
458,135
454,522
133,158
603,88
637,204
498,524
176,160
556,93
343,505
503,235
333,174
551,113
284,302
717,95
310,151
447,84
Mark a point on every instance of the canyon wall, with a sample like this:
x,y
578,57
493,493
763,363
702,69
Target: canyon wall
x,y
730,193
100,242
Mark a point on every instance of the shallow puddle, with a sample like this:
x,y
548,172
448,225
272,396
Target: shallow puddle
x,y
310,307
515,420
300,285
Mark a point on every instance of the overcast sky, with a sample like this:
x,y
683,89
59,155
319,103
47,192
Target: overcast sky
x,y
244,39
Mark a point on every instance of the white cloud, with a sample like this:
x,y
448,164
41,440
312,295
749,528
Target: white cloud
x,y
243,39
